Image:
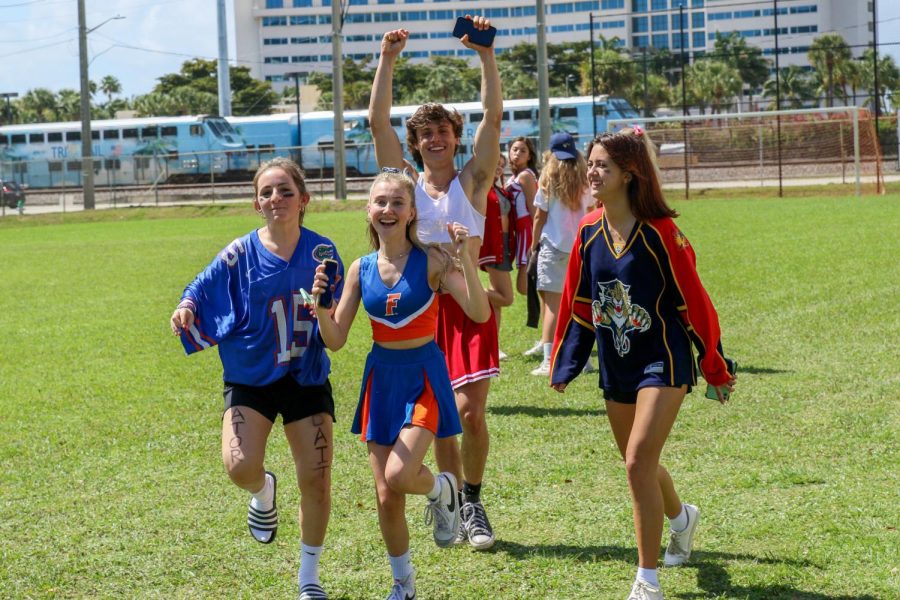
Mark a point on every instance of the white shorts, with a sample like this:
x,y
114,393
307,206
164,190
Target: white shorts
x,y
551,268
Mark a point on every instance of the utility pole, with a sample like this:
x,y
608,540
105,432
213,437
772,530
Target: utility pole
x,y
593,79
224,77
337,26
543,79
684,107
777,98
9,95
87,159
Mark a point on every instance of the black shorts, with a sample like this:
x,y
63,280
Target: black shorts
x,y
625,397
285,396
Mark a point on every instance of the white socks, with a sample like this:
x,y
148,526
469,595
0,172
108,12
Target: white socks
x,y
679,523
648,575
548,349
401,566
436,490
263,498
309,564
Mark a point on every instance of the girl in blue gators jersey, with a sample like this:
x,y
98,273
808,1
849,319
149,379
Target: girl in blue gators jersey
x,y
248,301
632,288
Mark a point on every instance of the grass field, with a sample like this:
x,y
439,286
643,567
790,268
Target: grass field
x,y
111,484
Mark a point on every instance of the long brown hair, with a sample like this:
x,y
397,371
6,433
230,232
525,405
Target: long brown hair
x,y
565,179
634,153
532,154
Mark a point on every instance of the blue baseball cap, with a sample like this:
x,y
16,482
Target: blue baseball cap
x,y
562,145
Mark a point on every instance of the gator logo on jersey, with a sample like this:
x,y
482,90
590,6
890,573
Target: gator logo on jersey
x,y
322,251
614,310
681,241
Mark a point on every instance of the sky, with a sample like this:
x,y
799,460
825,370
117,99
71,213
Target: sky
x,y
39,40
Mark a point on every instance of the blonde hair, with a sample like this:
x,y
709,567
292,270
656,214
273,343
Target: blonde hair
x,y
409,190
564,179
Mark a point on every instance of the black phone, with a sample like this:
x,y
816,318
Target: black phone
x,y
482,37
331,269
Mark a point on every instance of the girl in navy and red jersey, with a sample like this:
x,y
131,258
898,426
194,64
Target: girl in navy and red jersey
x,y
405,400
248,301
632,288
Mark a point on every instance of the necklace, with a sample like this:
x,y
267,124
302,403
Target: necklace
x,y
442,189
392,258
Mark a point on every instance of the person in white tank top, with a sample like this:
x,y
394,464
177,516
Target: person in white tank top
x,y
443,193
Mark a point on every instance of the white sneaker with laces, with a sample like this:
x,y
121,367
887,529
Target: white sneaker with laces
x,y
404,589
679,549
443,511
644,591
536,350
503,355
543,370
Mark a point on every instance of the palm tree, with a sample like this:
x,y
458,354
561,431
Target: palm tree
x,y
888,76
796,88
713,83
38,106
827,54
109,85
616,73
748,60
68,105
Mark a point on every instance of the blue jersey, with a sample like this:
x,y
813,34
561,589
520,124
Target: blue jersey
x,y
248,302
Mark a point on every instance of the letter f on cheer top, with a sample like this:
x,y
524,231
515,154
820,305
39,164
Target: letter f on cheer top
x,y
390,307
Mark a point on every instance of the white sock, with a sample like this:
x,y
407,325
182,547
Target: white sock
x,y
648,575
309,564
263,498
548,348
436,490
679,523
401,566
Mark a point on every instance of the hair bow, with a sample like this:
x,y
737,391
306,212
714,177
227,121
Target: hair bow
x,y
638,131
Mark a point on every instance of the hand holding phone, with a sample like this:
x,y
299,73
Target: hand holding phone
x,y
723,389
482,37
331,268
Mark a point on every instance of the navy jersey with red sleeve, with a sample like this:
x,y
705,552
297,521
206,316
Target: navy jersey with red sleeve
x,y
643,307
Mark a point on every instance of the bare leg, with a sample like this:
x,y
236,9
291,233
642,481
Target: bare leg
x,y
312,446
244,435
550,312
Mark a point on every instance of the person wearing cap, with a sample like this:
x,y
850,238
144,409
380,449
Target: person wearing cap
x,y
562,199
445,194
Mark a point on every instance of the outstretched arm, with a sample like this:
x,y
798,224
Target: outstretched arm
x,y
478,174
388,150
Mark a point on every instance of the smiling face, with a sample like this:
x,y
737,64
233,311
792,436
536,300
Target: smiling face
x,y
390,209
278,198
608,181
436,140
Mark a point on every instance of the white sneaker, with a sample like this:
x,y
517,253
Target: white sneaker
x,y
543,370
589,367
404,589
679,549
503,355
443,512
536,350
641,590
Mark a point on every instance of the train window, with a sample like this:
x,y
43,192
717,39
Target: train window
x,y
129,133
170,131
568,112
73,165
35,138
522,115
95,135
396,121
4,140
600,110
463,149
18,138
197,130
54,136
110,134
149,132
505,115
73,136
141,162
55,166
112,164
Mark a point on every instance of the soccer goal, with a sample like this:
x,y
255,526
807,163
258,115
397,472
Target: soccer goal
x,y
770,148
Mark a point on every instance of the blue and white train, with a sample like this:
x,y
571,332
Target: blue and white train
x,y
200,148
125,151
277,135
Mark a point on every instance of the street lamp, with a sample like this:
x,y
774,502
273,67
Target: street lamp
x,y
9,95
296,76
569,78
87,159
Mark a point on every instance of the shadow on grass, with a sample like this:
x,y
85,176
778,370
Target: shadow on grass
x,y
542,411
760,370
712,577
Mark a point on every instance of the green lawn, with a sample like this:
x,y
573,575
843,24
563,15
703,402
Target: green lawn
x,y
111,484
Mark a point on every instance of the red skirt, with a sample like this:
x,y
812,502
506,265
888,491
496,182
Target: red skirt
x,y
471,348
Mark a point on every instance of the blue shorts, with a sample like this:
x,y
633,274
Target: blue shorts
x,y
403,387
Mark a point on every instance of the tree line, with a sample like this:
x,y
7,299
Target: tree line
x,y
649,78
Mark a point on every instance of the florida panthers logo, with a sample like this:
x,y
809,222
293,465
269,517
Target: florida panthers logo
x,y
613,310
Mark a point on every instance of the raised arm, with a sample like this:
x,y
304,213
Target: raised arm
x,y
478,174
334,324
464,286
388,150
